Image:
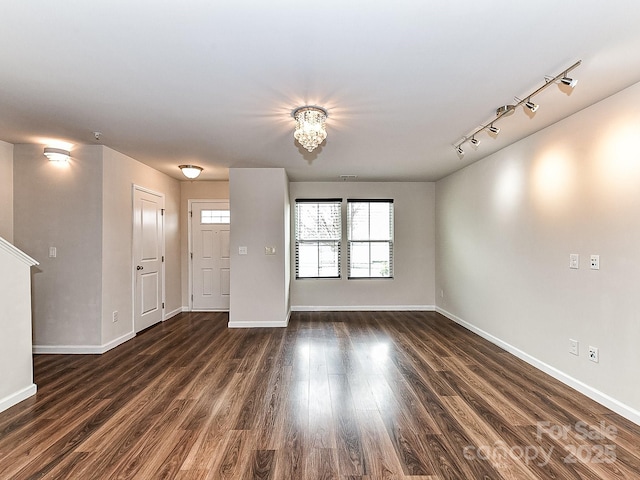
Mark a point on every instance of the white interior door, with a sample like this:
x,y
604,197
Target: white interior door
x,y
148,257
210,280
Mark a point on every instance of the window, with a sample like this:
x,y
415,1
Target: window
x,y
370,238
318,236
214,216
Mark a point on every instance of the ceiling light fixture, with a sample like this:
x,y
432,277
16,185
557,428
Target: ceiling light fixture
x,y
311,129
191,171
57,154
505,110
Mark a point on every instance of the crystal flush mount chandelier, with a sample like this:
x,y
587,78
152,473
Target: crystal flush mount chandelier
x,y
310,126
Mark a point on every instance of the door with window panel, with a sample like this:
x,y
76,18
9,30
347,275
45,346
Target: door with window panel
x,y
210,259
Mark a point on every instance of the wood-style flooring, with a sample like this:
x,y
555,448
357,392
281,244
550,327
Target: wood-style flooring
x,y
393,395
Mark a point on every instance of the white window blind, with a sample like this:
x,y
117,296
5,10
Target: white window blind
x,y
370,238
318,237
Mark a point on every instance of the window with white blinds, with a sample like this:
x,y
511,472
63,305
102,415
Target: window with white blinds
x,y
318,238
370,238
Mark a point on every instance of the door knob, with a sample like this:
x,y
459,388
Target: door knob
x,y
139,267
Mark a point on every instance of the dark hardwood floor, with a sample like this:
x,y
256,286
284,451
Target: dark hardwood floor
x,y
394,395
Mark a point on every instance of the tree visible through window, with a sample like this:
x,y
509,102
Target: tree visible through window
x,y
370,238
318,237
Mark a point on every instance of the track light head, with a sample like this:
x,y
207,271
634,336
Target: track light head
x,y
460,150
531,106
571,82
494,130
474,141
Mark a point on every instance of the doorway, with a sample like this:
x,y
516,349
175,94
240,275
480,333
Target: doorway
x,y
209,275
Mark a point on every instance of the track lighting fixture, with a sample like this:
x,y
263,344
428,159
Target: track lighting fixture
x,y
505,110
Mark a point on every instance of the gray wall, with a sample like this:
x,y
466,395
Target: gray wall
x,y
259,282
120,174
6,191
507,224
85,209
61,206
413,284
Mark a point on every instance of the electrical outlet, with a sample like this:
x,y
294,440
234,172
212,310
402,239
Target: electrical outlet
x,y
573,347
593,354
114,317
595,262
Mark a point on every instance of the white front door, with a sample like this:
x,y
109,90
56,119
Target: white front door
x,y
148,257
210,280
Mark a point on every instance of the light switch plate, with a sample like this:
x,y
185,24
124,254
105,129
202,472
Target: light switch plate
x,y
574,261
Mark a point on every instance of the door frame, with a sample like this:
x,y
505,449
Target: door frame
x,y
134,188
190,203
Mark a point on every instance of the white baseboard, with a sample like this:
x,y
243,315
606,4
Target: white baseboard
x,y
221,310
118,341
173,313
81,349
15,398
271,324
185,309
363,308
617,406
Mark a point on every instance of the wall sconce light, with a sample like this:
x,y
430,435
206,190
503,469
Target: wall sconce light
x,y
191,171
57,154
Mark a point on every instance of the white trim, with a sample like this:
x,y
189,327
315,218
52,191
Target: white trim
x,y
185,309
17,397
118,341
67,349
214,310
273,324
81,349
363,308
16,252
173,313
617,406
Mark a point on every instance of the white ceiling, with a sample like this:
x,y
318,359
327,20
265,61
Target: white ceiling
x,y
214,82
